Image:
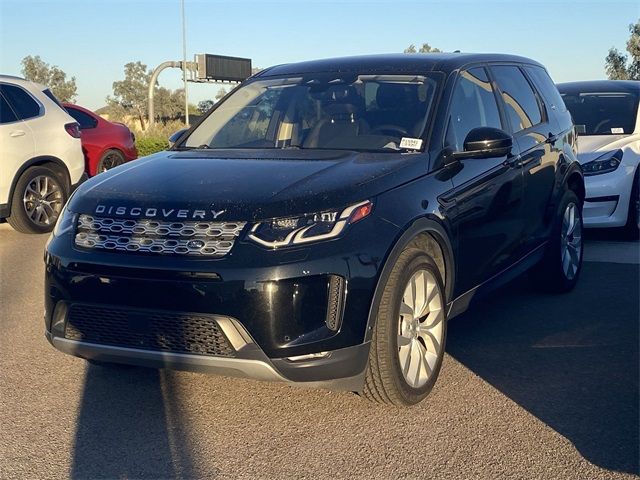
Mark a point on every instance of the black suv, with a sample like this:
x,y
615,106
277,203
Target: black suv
x,y
323,222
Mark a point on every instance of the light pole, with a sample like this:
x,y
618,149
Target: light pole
x,y
184,65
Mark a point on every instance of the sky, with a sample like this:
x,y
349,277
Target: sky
x,y
93,39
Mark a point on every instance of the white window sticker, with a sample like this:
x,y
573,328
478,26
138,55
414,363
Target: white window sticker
x,y
411,143
617,130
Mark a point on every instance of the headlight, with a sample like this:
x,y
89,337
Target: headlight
x,y
603,164
281,232
65,222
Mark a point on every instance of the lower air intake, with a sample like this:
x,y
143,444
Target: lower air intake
x,y
147,330
335,302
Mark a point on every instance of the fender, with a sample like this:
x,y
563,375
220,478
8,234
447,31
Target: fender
x,y
568,167
35,161
421,225
575,169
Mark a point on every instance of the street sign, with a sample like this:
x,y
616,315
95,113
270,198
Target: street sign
x,y
221,68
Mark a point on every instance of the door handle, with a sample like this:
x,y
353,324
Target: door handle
x,y
17,133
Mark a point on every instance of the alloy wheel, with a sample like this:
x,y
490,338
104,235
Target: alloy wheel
x,y
571,240
43,200
420,328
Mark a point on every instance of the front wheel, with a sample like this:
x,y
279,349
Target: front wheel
x,y
408,341
559,269
37,200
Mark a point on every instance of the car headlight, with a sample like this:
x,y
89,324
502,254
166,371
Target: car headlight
x,y
281,232
66,221
603,164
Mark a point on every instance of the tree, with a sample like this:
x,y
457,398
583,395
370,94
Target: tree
x,y
36,70
625,67
221,93
425,48
131,94
131,97
169,103
205,105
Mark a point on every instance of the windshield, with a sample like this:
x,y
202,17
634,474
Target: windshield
x,y
602,113
321,111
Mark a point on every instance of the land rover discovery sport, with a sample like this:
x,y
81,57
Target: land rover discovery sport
x,y
323,223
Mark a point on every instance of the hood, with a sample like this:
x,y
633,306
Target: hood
x,y
235,185
592,146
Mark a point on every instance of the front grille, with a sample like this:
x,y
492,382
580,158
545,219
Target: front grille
x,y
195,238
147,329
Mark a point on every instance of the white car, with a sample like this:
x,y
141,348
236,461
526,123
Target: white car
x,y
607,121
42,159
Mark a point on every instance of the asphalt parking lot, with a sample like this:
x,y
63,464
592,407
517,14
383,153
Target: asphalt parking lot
x,y
533,386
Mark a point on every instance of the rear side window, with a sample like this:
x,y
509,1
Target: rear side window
x,y
50,94
473,105
520,100
6,113
546,87
23,104
85,121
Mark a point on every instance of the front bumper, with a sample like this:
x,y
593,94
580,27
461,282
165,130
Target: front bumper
x,y
340,370
607,198
278,300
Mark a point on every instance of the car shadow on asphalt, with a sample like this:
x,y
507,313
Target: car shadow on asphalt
x,y
571,360
130,426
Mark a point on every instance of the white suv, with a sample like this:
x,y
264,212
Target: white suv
x,y
40,153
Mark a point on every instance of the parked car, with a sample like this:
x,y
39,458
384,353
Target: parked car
x,y
323,223
608,123
105,144
41,155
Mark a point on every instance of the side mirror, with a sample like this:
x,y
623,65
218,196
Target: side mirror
x,y
485,142
176,136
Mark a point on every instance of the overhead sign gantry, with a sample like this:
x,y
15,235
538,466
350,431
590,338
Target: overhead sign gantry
x,y
205,68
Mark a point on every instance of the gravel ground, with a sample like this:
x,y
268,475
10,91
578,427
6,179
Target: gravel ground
x,y
533,386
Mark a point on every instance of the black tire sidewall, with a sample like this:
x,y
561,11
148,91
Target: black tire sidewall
x,y
556,276
417,260
19,218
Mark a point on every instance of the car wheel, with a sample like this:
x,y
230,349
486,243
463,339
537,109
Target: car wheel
x,y
37,200
408,341
559,269
633,217
110,159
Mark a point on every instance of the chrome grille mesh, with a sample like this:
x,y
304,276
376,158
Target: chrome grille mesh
x,y
195,238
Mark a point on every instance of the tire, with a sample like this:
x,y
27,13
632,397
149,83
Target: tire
x,y
560,268
632,227
110,159
385,381
37,200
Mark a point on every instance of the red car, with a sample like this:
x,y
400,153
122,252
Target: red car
x,y
105,144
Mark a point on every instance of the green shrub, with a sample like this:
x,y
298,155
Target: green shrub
x,y
148,145
156,138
